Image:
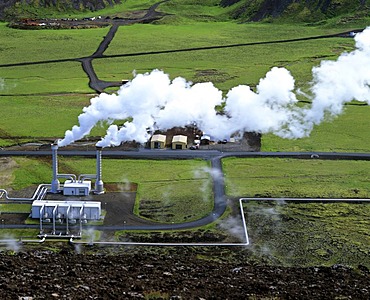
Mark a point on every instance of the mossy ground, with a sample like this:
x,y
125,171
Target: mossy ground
x,y
309,234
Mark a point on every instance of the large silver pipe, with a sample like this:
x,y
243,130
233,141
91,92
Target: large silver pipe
x,y
67,220
41,214
71,177
99,185
82,177
39,194
55,184
54,213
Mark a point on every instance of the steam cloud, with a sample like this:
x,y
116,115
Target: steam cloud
x,y
152,101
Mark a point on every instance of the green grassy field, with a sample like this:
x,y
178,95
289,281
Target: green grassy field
x,y
270,177
41,116
15,208
19,46
346,133
231,66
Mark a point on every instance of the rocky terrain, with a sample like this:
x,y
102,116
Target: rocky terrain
x,y
169,273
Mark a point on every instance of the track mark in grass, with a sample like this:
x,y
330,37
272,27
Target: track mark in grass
x,y
212,75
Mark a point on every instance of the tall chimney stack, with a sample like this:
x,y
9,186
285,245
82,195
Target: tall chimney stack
x,y
55,184
99,186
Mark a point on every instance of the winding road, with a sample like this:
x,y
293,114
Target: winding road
x,y
151,15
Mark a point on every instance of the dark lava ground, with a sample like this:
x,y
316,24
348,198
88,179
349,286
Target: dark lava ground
x,y
168,273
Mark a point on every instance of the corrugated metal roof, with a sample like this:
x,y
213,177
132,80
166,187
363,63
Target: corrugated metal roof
x,y
66,203
180,139
158,138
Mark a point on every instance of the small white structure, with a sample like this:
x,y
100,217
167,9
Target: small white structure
x,y
76,188
179,142
45,209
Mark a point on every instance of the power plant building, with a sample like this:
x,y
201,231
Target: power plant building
x,y
179,142
158,141
87,210
76,188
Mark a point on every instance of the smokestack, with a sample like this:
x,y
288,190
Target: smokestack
x,y
99,186
55,185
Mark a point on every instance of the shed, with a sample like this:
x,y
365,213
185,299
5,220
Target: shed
x,y
158,141
76,188
179,142
205,140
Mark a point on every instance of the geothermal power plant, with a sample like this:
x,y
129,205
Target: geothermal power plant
x,y
69,208
70,211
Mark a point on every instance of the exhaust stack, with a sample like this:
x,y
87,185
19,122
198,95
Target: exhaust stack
x,y
99,185
55,184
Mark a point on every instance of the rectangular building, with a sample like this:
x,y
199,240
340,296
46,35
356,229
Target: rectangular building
x,y
76,188
49,209
158,141
179,142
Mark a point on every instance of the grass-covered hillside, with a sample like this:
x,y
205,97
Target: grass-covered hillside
x,y
303,11
309,11
15,9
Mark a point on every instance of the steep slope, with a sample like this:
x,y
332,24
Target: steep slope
x,y
299,10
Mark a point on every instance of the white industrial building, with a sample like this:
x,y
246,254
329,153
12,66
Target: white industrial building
x,y
45,209
76,188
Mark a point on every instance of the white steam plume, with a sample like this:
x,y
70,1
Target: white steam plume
x,y
152,101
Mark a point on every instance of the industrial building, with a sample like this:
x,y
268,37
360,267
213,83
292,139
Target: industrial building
x,y
158,141
179,142
87,210
75,188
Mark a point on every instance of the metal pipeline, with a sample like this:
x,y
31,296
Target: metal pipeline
x,y
38,194
246,243
72,241
72,177
23,241
82,177
106,243
8,241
